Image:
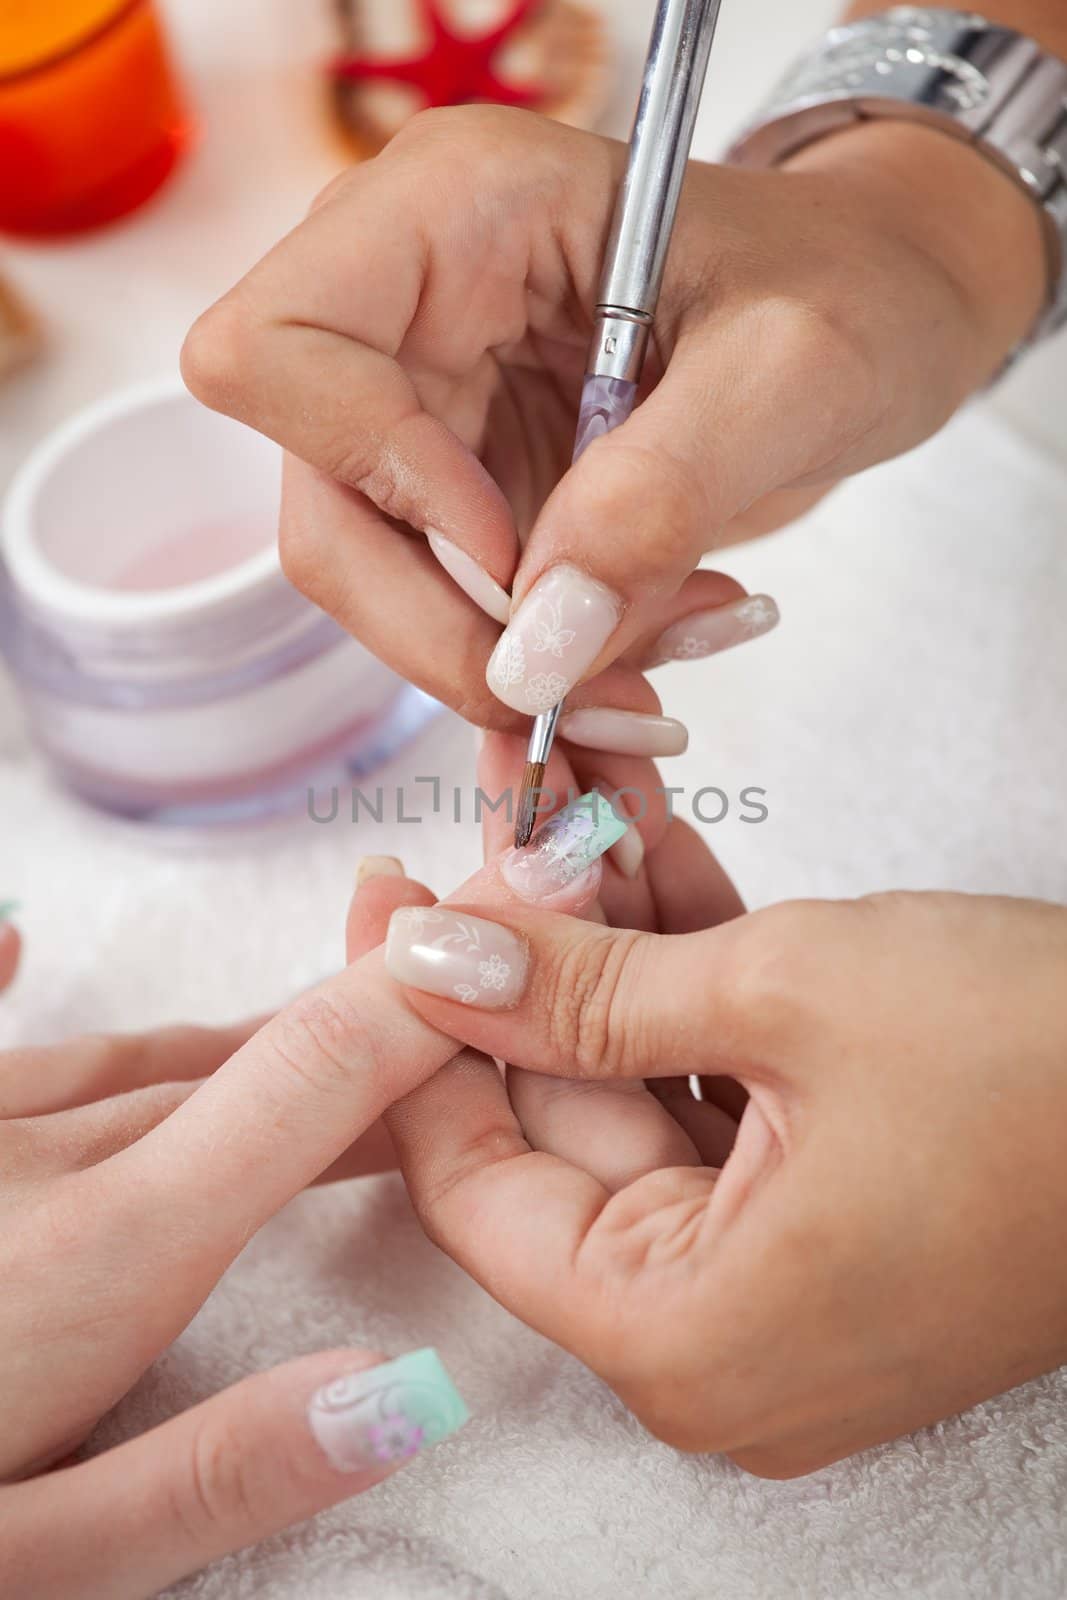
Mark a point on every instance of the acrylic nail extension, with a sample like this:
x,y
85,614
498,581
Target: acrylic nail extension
x,y
706,633
386,1414
470,577
555,635
567,845
457,956
627,733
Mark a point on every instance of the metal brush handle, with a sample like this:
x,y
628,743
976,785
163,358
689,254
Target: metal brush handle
x,y
645,212
606,404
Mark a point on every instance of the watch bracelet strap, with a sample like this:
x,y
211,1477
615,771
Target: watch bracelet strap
x,y
954,70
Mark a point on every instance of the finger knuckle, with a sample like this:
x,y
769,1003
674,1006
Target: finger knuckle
x,y
339,185
466,128
322,1042
591,1026
378,472
799,337
216,1491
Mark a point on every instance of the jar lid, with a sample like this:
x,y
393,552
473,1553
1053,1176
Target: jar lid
x,y
34,32
137,473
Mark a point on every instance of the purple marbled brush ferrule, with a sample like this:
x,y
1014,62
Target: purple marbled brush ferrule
x,y
606,404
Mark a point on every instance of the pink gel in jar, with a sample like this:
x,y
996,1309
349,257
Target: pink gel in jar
x,y
169,670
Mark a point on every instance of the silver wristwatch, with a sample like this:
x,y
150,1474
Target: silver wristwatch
x,y
951,69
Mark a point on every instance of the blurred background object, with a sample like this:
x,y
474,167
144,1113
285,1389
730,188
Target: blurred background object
x,y
169,672
20,332
405,56
90,116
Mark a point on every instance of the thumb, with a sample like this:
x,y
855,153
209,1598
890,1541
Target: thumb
x,y
265,1454
625,527
574,999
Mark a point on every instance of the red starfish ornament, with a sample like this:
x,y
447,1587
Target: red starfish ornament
x,y
455,68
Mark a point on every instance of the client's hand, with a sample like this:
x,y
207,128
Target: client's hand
x,y
882,1245
134,1171
109,1241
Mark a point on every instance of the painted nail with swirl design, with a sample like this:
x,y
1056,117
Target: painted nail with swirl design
x,y
383,1415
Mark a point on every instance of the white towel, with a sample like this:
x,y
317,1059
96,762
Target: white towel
x,y
907,724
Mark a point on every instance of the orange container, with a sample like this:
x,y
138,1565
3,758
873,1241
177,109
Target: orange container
x,y
91,120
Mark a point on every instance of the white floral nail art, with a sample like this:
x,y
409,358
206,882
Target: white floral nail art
x,y
494,972
417,917
549,632
567,617
708,632
508,665
459,956
546,689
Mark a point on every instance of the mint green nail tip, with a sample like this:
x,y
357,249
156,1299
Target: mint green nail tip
x,y
608,826
381,1416
430,1399
8,909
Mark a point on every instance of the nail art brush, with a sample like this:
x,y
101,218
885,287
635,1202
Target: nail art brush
x,y
640,238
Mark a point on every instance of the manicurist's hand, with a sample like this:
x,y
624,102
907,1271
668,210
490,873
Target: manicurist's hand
x,y
418,345
880,1247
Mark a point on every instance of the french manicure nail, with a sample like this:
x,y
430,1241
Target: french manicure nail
x,y
470,577
556,633
628,733
369,867
457,956
387,1413
706,633
568,845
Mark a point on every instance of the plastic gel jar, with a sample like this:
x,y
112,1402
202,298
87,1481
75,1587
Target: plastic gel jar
x,y
169,670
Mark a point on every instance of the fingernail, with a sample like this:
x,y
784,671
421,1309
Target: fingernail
x,y
569,844
629,852
629,733
556,633
705,633
377,867
470,577
457,956
8,909
387,1413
